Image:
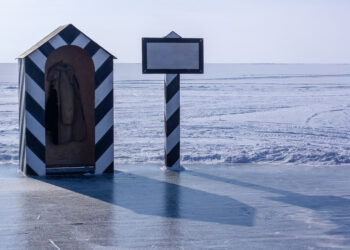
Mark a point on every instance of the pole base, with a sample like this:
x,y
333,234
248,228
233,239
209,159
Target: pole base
x,y
175,168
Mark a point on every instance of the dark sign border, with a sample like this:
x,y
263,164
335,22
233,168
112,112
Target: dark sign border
x,y
146,40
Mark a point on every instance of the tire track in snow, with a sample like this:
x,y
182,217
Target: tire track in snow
x,y
319,113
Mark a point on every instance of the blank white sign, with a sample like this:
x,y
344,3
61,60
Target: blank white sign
x,y
172,56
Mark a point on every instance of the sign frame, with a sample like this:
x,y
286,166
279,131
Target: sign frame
x,y
146,70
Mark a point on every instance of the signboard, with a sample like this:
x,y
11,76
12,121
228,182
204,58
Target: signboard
x,y
172,55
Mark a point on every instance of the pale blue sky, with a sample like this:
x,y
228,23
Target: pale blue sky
x,y
249,31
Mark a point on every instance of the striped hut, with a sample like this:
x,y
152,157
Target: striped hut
x,y
66,105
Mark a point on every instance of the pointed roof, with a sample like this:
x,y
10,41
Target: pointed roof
x,y
69,33
173,34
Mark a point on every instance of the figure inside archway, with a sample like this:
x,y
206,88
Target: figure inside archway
x,y
64,112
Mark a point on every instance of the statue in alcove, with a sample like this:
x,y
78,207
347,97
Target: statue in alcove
x,y
64,112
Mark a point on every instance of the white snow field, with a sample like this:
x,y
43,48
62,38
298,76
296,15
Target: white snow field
x,y
234,113
240,114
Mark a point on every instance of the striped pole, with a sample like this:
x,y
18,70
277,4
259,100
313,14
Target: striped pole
x,y
172,121
172,118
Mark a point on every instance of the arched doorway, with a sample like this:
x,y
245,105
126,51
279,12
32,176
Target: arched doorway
x,y
69,108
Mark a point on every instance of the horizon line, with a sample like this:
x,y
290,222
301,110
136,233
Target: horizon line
x,y
303,63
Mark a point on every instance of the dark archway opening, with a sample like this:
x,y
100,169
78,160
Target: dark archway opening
x,y
69,108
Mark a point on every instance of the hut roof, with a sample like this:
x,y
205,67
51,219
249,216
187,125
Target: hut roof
x,y
67,32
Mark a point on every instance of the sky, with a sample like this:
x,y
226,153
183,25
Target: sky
x,y
249,31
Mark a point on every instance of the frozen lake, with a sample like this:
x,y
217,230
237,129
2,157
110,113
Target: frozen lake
x,y
234,113
244,129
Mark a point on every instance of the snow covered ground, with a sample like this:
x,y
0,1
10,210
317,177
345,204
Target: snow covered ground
x,y
241,114
234,113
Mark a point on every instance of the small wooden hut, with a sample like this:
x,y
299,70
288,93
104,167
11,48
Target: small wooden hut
x,y
66,105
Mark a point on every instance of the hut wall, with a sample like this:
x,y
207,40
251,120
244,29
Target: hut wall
x,y
21,120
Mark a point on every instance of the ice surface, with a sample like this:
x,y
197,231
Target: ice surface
x,y
234,113
212,207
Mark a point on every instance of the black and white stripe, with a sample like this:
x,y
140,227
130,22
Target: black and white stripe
x,y
172,120
172,117
32,101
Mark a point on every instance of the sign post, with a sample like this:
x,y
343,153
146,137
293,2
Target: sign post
x,y
172,55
